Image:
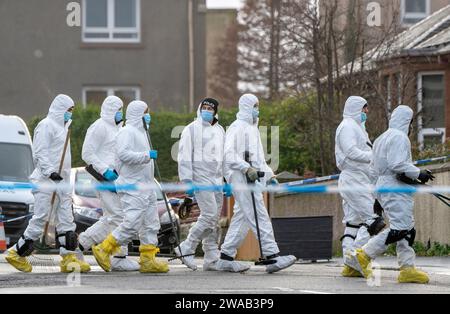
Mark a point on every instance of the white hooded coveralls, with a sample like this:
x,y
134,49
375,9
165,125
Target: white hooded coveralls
x,y
135,167
48,145
392,156
200,160
243,135
99,151
353,158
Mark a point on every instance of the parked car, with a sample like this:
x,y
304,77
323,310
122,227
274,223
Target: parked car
x,y
16,165
87,211
188,211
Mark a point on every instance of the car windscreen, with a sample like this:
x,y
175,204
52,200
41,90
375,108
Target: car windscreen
x,y
84,179
16,162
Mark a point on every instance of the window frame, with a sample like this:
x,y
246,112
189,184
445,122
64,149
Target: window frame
x,y
423,132
110,28
110,91
405,15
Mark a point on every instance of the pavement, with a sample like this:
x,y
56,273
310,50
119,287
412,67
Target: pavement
x,y
302,278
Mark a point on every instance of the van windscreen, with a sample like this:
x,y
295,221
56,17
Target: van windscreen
x,y
16,162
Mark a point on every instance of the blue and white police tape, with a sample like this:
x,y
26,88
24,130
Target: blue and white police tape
x,y
313,180
426,161
175,187
336,176
16,219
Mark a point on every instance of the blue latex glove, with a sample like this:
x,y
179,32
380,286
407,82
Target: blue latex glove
x,y
191,191
227,190
110,175
153,154
273,181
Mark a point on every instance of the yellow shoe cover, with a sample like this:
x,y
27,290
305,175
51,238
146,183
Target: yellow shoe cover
x,y
104,251
351,273
412,275
19,263
365,263
148,261
70,264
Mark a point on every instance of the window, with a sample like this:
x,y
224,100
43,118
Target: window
x,y
115,21
414,11
96,95
16,169
431,102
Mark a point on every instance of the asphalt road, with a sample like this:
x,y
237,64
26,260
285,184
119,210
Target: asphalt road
x,y
320,278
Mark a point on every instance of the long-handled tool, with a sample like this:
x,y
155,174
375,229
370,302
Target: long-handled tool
x,y
172,222
262,260
444,199
52,203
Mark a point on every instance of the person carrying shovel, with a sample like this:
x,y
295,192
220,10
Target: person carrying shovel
x,y
52,159
244,163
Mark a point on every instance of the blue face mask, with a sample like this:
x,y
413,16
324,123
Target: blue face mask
x,y
363,117
147,119
207,116
119,117
67,116
255,114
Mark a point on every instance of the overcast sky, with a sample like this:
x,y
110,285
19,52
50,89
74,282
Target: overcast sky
x,y
223,3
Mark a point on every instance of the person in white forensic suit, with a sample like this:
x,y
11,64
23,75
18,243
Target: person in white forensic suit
x,y
243,138
135,165
99,152
200,162
353,151
393,164
49,141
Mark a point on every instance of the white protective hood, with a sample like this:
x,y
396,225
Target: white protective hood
x,y
353,108
401,119
111,105
246,104
59,107
135,112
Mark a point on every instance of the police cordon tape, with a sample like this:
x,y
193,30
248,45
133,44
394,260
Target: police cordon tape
x,y
258,187
227,188
297,187
336,176
15,219
426,161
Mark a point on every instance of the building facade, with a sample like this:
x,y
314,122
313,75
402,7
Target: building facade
x,y
136,49
417,73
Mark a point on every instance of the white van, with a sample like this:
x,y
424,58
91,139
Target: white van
x,y
16,165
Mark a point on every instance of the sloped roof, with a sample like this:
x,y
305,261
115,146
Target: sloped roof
x,y
430,36
434,25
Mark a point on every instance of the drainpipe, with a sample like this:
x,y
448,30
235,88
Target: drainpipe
x,y
191,56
